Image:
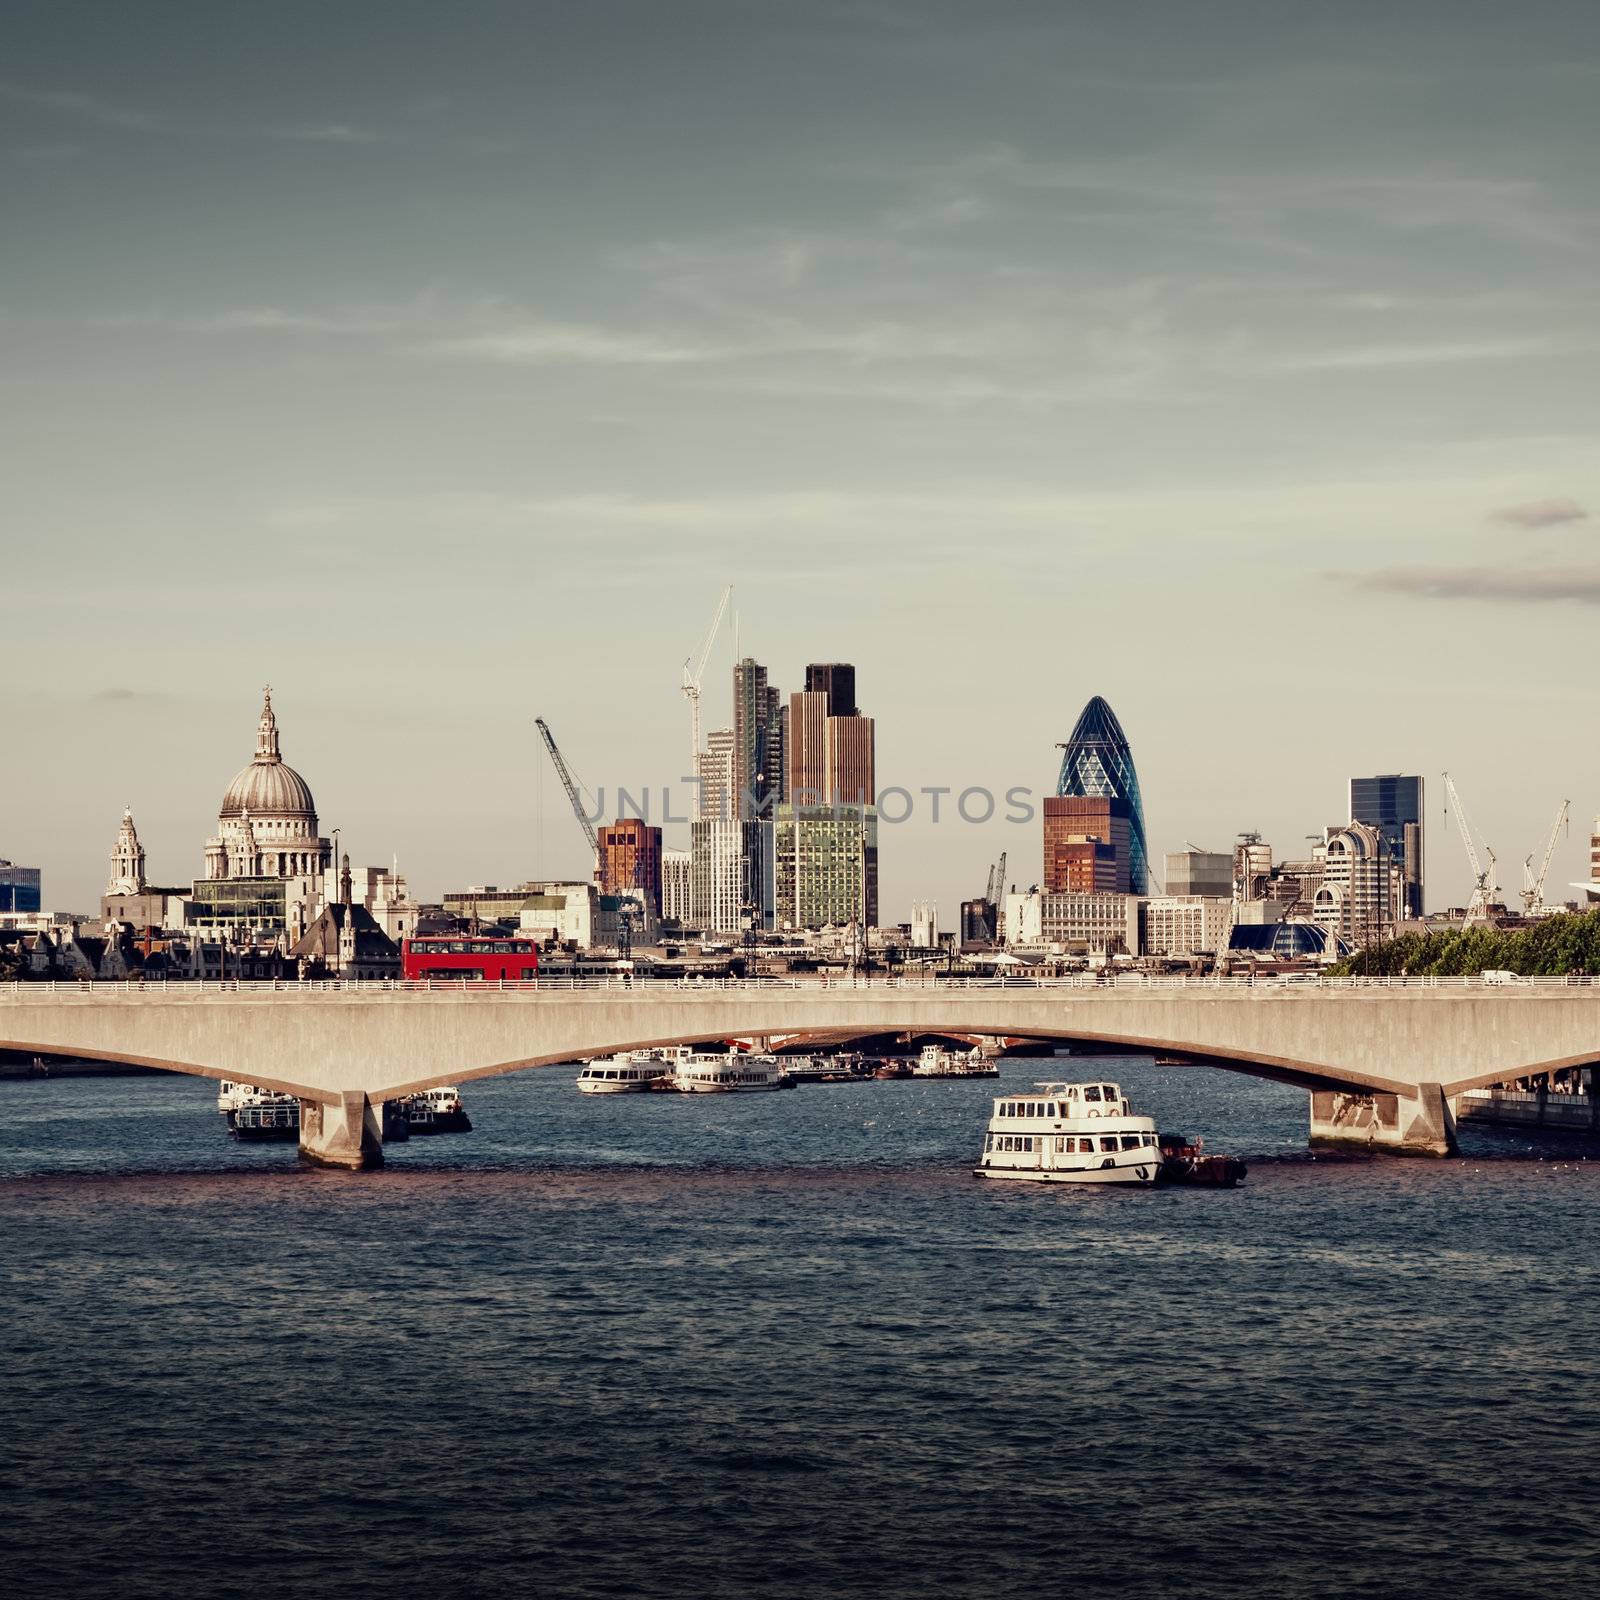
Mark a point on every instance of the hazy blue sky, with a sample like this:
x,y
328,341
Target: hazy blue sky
x,y
441,362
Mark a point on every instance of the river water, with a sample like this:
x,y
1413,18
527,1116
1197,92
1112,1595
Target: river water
x,y
786,1345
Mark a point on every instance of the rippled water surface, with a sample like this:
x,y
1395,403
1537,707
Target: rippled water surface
x,y
785,1345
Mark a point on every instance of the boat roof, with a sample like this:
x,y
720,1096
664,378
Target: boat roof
x,y
1059,1088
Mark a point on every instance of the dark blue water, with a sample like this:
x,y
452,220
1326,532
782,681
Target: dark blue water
x,y
785,1345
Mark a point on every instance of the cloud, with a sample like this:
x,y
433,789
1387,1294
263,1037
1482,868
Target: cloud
x,y
327,133
1378,357
1540,513
86,107
1495,585
538,344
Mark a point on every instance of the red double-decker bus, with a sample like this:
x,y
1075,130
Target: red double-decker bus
x,y
487,957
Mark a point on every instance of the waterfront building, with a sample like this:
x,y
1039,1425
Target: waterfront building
x,y
129,897
1072,822
1199,872
1187,924
924,925
1392,803
824,865
1097,763
1361,888
1077,924
19,888
344,940
561,913
676,880
630,861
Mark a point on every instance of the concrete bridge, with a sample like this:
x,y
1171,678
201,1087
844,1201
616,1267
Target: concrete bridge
x,y
1383,1059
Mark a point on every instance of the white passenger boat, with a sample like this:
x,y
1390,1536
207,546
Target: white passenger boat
x,y
632,1071
729,1073
1070,1133
939,1061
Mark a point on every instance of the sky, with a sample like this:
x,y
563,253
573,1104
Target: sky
x,y
440,364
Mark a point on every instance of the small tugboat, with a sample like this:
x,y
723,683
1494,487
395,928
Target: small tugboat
x,y
938,1061
893,1067
705,1073
1070,1133
436,1111
264,1114
1185,1162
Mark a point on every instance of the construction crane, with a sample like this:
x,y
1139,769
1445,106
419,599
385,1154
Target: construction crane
x,y
570,784
1485,891
691,680
1533,885
999,895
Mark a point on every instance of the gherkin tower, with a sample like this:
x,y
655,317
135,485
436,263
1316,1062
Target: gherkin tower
x,y
1098,763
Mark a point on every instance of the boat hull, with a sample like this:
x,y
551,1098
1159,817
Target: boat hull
x,y
1141,1175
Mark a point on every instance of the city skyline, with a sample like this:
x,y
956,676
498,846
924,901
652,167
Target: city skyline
x,y
1039,357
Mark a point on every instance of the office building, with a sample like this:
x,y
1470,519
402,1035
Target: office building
x,y
719,849
1074,924
1392,803
630,861
676,878
1187,924
837,680
806,778
831,752
1097,763
19,888
824,865
1073,822
1362,891
716,776
1199,872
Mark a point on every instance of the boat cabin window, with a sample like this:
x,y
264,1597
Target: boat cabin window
x,y
1108,1143
1131,1141
1092,1092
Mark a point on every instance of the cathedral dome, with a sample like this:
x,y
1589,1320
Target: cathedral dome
x,y
269,789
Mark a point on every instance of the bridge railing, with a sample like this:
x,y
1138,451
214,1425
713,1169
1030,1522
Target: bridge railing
x,y
622,983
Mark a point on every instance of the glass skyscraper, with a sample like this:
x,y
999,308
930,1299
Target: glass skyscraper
x,y
1392,803
1098,764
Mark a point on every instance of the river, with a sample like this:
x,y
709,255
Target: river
x,y
786,1345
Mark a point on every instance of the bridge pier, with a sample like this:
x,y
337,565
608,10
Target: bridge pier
x,y
347,1132
1419,1124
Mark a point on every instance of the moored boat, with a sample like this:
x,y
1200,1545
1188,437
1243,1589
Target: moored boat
x,y
729,1073
630,1071
265,1114
939,1061
1183,1162
1070,1133
436,1111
